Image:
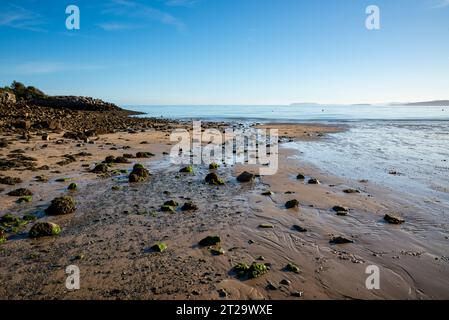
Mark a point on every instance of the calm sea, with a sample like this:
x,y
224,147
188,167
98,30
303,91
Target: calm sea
x,y
412,141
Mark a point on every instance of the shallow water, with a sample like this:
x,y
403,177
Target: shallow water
x,y
416,151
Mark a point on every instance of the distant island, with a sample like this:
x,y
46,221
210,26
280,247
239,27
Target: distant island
x,y
435,103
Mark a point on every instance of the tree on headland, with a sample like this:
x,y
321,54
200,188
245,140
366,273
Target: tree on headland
x,y
23,92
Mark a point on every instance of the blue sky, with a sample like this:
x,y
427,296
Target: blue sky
x,y
229,51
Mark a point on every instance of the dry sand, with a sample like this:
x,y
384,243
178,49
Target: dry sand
x,y
110,234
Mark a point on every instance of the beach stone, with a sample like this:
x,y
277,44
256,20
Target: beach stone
x,y
159,247
292,204
300,176
393,219
189,206
210,241
222,293
267,193
100,168
20,193
285,282
188,169
217,251
292,267
349,191
299,228
139,174
341,211
266,226
61,206
254,271
212,178
340,240
245,177
72,187
214,166
313,181
44,229
10,181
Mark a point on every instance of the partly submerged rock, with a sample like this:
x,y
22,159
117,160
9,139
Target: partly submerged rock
x,y
245,177
393,219
292,204
340,240
144,155
44,229
159,247
212,178
267,193
20,193
61,206
210,241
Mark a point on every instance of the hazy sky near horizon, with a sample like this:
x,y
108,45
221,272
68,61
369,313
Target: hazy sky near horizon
x,y
229,51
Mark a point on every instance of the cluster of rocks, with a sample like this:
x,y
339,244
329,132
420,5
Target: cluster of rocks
x,y
75,103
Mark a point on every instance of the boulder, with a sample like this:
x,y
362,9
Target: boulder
x,y
292,204
245,177
212,178
139,174
20,193
44,229
341,211
100,168
61,206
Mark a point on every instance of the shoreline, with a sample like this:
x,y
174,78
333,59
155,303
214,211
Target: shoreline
x,y
113,230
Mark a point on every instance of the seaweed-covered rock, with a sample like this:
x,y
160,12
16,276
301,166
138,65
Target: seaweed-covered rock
x,y
121,160
340,240
72,187
44,229
25,199
139,174
254,271
29,217
61,206
210,241
214,166
109,159
292,204
166,208
245,177
159,247
188,169
393,219
2,236
212,178
100,168
20,193
9,219
189,206
292,267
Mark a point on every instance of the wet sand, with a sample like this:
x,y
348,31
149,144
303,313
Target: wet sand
x,y
110,235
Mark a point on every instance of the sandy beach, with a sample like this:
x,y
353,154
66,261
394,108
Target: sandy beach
x,y
116,223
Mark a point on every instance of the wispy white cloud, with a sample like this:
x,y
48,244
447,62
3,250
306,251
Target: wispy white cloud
x,y
145,13
181,3
117,26
46,67
442,4
14,16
